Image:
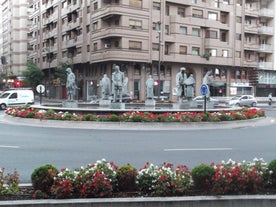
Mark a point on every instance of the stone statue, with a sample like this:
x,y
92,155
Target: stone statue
x,y
180,79
70,85
125,84
207,81
117,83
105,87
190,84
150,86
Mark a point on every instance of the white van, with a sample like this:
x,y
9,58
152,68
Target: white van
x,y
16,98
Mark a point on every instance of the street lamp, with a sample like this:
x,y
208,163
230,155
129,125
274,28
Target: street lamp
x,y
159,57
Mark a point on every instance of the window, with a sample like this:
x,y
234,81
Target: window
x,y
156,6
224,53
95,26
238,54
88,9
167,29
155,26
183,50
135,24
135,3
212,16
223,17
155,47
213,52
238,19
95,46
197,13
95,6
196,32
238,36
135,45
195,50
183,30
181,11
88,48
211,34
167,10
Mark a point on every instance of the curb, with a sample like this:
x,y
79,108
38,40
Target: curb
x,y
138,125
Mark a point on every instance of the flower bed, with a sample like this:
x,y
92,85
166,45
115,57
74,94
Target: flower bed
x,y
105,179
137,116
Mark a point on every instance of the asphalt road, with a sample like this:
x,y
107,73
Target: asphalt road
x,y
27,147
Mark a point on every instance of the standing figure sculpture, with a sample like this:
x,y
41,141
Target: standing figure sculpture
x,y
207,81
180,83
105,87
150,86
117,83
190,85
70,85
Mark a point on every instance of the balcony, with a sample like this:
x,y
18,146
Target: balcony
x,y
251,28
265,48
120,55
266,13
266,30
265,65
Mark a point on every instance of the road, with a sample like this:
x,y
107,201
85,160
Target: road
x,y
27,147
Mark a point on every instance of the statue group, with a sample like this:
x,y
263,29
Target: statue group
x,y
118,85
184,85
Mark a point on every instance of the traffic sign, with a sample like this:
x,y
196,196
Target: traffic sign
x,y
204,89
40,88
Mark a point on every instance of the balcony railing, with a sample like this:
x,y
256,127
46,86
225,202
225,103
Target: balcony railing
x,y
265,65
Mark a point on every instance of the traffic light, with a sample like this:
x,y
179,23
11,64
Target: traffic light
x,y
17,84
91,83
253,76
156,83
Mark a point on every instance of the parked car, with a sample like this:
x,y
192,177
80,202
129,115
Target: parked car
x,y
125,98
244,100
199,100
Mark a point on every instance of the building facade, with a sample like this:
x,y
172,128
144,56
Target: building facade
x,y
232,38
13,44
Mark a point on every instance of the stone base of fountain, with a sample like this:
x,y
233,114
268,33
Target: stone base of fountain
x,y
117,105
150,104
70,104
104,103
182,105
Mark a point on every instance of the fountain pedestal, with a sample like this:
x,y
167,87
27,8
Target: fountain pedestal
x,y
150,104
105,103
182,105
117,105
70,104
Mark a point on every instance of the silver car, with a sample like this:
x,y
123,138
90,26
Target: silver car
x,y
244,100
199,101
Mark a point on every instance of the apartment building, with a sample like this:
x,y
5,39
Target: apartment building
x,y
232,38
13,44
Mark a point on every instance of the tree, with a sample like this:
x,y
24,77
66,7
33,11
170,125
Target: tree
x,y
33,75
60,72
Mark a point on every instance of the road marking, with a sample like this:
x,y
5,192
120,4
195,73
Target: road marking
x,y
199,149
7,146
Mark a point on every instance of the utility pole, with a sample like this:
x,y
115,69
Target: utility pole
x,y
159,58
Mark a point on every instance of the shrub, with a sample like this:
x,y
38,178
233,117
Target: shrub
x,y
43,177
240,178
88,117
202,176
113,117
126,176
272,169
164,181
11,181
